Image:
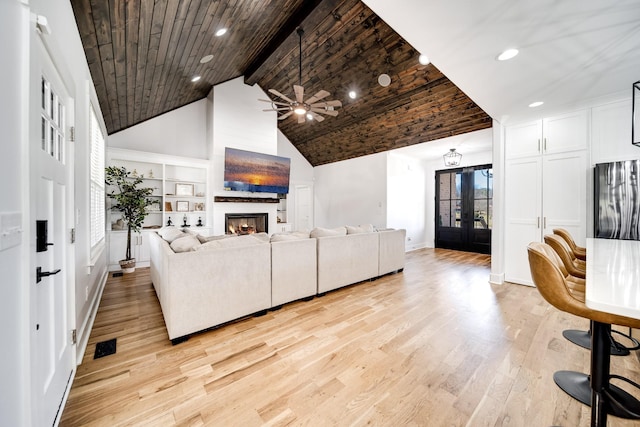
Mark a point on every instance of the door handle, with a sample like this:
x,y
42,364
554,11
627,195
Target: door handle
x,y
40,274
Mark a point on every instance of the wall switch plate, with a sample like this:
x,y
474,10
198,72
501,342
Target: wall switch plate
x,y
10,229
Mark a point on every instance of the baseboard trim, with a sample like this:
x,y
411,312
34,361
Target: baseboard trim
x,y
496,279
87,325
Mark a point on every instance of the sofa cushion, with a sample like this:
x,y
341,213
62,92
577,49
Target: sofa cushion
x,y
185,244
326,232
233,242
367,228
171,233
283,237
261,236
205,239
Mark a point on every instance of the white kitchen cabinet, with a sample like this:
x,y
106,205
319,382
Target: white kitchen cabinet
x,y
546,188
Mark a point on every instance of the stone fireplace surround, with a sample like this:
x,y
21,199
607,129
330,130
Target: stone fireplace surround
x,y
246,223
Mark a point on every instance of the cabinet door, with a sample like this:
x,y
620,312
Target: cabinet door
x,y
523,140
118,246
523,200
142,252
564,196
567,132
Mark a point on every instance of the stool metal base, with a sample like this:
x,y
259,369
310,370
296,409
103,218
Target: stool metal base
x,y
583,339
576,385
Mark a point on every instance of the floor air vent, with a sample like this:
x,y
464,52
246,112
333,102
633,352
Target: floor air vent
x,y
105,348
117,274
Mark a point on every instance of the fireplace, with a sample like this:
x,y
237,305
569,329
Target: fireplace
x,y
246,223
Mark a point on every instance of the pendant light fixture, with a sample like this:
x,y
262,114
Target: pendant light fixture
x,y
452,158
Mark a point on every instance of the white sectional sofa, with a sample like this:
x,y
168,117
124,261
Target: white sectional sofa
x,y
205,282
205,288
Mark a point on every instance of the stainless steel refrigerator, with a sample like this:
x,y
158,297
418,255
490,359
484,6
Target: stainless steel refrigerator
x,y
617,204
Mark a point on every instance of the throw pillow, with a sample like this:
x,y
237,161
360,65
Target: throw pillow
x,y
171,233
185,244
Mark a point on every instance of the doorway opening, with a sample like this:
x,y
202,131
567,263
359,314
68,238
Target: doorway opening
x,y
464,209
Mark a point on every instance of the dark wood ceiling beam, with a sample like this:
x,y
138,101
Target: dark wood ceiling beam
x,y
294,20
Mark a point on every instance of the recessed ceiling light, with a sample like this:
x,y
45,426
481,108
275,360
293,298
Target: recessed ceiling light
x,y
221,32
423,59
536,104
352,94
206,59
195,78
507,54
384,80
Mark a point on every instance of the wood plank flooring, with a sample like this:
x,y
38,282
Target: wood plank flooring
x,y
436,345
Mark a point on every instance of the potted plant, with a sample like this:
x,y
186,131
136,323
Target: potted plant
x,y
130,199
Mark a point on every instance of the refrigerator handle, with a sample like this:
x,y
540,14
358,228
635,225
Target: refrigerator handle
x,y
538,145
544,222
538,223
544,146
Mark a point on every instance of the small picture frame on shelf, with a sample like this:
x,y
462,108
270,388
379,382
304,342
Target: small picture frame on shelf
x,y
182,206
184,189
167,207
198,206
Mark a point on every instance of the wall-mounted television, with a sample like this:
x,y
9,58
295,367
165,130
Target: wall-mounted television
x,y
255,172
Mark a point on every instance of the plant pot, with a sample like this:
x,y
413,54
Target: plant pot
x,y
128,265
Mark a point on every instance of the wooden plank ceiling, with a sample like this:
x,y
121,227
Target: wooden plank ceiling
x,y
143,53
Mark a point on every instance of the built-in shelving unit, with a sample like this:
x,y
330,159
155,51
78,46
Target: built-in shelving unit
x,y
180,186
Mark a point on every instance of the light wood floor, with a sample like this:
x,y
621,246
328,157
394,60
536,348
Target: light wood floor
x,y
436,345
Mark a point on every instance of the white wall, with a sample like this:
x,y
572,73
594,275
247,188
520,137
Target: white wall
x,y
237,121
301,174
181,132
407,202
14,313
352,192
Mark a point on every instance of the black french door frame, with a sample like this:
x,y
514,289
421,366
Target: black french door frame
x,y
464,208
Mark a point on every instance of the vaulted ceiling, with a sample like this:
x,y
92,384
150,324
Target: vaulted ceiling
x,y
143,53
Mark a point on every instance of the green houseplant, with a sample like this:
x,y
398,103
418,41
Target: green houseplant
x,y
132,201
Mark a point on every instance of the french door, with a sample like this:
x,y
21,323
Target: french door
x,y
464,209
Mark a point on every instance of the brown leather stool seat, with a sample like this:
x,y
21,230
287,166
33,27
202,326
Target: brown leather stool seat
x,y
575,270
579,251
594,389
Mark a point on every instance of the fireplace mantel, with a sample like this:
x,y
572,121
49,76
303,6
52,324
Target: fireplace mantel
x,y
225,199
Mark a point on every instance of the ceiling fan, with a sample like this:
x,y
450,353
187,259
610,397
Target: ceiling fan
x,y
311,108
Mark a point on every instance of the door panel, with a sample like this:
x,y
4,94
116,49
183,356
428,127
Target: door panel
x,y
53,352
464,209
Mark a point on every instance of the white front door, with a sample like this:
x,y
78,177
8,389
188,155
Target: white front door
x,y
51,201
304,207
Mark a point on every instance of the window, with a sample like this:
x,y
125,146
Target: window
x,y
97,214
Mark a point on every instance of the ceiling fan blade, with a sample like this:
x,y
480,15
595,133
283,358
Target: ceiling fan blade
x,y
334,103
299,91
279,109
274,102
278,94
316,117
285,115
318,96
325,111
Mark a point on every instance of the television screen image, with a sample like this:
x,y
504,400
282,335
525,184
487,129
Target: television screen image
x,y
255,172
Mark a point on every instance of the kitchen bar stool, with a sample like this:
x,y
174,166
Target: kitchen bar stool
x,y
594,389
579,251
578,337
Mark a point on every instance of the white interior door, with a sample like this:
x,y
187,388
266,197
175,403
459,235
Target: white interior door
x,y
304,207
51,200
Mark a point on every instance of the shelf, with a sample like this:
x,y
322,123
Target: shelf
x,y
226,199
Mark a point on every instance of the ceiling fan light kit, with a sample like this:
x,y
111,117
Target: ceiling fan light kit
x,y
309,109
